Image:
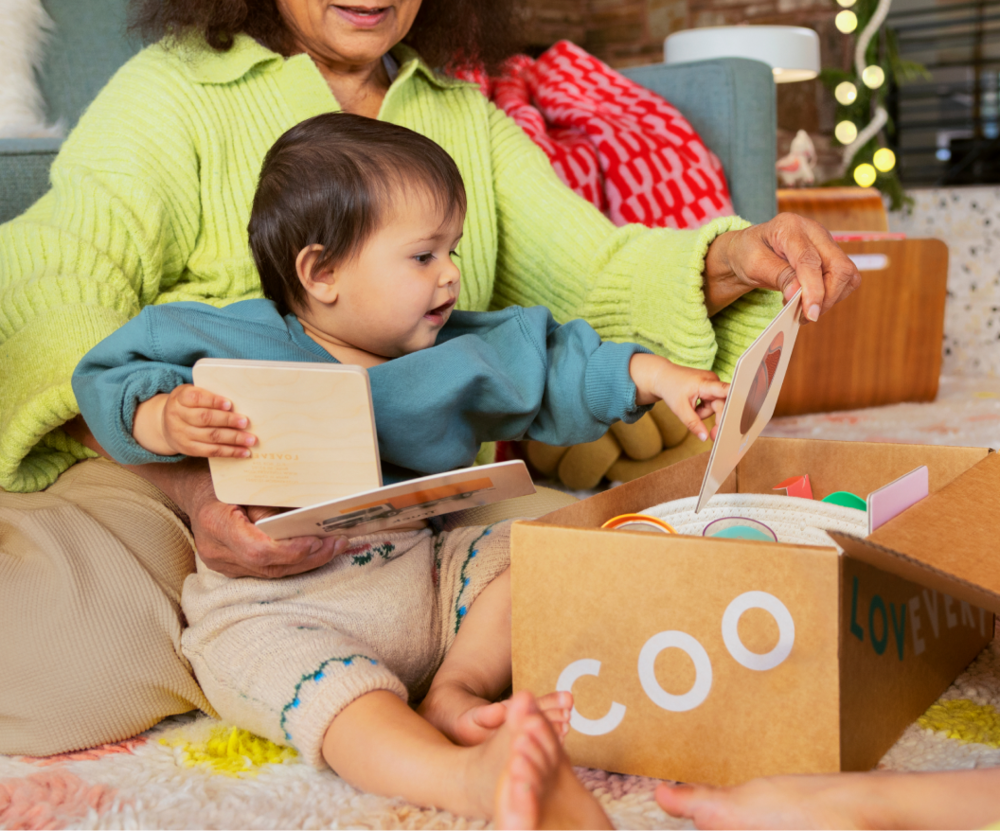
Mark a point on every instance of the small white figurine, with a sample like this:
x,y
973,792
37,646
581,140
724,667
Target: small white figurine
x,y
796,169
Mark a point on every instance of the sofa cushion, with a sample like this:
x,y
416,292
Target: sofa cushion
x,y
88,45
24,173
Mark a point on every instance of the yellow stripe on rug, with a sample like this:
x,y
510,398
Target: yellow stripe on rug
x,y
964,720
232,751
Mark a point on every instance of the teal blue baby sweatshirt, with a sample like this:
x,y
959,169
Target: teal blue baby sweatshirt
x,y
491,376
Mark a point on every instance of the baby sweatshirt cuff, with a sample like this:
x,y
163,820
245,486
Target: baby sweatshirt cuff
x,y
121,444
307,717
609,387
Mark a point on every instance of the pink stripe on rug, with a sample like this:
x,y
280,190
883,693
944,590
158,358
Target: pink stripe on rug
x,y
50,799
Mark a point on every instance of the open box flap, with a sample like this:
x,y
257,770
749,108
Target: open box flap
x,y
949,541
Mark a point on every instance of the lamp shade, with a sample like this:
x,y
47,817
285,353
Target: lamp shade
x,y
792,52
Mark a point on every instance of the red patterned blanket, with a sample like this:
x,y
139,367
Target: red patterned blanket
x,y
618,145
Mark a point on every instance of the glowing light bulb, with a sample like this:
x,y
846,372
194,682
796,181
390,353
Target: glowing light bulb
x,y
846,93
873,76
847,3
884,159
846,132
846,21
864,175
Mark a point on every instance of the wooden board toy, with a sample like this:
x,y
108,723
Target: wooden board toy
x,y
314,425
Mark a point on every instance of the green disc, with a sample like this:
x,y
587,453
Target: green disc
x,y
847,499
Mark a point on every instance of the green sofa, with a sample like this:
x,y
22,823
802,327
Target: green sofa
x,y
730,102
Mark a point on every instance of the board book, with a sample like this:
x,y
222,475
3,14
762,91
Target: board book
x,y
317,451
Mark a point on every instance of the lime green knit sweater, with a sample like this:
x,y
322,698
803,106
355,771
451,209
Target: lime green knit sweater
x,y
152,191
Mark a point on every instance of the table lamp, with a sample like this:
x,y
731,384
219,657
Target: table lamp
x,y
792,52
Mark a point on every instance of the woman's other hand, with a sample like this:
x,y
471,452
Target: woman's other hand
x,y
230,543
783,254
779,802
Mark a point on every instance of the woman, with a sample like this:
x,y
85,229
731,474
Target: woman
x,y
149,203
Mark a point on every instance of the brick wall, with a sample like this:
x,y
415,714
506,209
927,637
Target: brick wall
x,y
630,32
621,32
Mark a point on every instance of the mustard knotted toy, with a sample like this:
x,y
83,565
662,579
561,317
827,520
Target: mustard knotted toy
x,y
625,452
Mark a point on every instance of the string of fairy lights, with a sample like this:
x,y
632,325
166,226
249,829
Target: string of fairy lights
x,y
846,93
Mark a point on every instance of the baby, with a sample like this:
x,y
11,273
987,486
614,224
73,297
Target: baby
x,y
354,229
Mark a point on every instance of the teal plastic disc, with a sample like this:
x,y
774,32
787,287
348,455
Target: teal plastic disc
x,y
739,528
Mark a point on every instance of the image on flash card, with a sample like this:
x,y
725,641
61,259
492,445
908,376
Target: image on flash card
x,y
753,395
388,507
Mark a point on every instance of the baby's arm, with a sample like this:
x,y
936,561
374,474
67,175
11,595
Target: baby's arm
x,y
681,388
191,421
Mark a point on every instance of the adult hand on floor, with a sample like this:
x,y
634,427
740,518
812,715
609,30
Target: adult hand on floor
x,y
777,802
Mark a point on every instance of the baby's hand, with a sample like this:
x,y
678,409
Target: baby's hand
x,y
194,422
692,394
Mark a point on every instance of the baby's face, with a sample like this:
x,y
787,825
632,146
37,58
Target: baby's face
x,y
400,290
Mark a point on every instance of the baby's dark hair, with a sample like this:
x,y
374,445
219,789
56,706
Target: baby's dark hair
x,y
331,181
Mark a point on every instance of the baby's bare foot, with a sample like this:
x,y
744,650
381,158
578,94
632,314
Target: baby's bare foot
x,y
489,762
464,717
557,708
467,719
538,788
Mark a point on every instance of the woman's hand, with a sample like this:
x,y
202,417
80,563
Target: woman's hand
x,y
788,252
230,543
876,799
837,801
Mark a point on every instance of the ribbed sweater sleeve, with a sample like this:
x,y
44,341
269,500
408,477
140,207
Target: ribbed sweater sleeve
x,y
630,283
76,266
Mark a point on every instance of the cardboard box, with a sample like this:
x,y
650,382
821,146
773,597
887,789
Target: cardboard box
x,y
634,622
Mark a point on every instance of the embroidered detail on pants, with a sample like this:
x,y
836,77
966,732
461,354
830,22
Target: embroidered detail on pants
x,y
318,675
461,609
368,552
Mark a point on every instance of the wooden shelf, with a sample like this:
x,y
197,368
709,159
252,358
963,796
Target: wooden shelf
x,y
881,345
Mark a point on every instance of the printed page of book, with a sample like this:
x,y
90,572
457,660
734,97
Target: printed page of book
x,y
385,508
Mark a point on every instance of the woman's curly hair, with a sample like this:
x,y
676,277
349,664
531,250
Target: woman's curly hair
x,y
445,31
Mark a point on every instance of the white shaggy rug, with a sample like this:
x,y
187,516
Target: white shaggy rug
x,y
193,772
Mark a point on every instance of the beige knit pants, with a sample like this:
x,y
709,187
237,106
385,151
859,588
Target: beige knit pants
x,y
91,571
282,658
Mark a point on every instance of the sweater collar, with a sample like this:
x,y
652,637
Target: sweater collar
x,y
205,65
